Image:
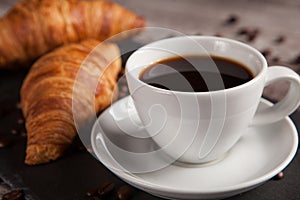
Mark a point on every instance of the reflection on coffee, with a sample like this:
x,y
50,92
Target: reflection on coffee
x,y
196,73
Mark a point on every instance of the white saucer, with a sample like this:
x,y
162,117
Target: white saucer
x,y
259,155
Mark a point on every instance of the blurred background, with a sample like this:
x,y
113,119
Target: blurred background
x,y
271,26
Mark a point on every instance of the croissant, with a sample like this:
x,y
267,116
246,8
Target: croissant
x,y
52,88
33,27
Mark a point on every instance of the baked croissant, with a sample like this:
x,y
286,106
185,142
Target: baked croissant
x,y
33,27
48,96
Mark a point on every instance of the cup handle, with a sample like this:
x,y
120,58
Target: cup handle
x,y
288,104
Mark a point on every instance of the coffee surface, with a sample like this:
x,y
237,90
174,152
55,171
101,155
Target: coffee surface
x,y
196,74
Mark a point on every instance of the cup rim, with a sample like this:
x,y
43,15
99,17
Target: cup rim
x,y
196,38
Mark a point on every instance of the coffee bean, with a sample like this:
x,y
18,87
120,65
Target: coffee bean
x,y
243,31
252,35
280,39
14,195
106,188
14,131
275,59
20,121
279,176
1,180
219,35
125,192
296,60
18,105
23,134
4,142
266,52
232,19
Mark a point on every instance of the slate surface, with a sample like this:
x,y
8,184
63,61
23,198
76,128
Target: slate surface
x,y
70,177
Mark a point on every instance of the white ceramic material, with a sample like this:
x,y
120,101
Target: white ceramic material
x,y
253,160
201,127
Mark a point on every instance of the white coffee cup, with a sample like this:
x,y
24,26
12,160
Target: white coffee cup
x,y
198,127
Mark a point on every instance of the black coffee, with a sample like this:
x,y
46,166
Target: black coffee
x,y
196,74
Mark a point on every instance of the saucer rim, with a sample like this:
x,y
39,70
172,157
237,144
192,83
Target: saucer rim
x,y
158,189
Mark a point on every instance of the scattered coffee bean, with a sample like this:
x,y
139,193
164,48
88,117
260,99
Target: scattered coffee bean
x,y
18,105
279,176
20,121
280,39
103,190
232,19
251,37
4,142
296,60
125,192
23,134
219,35
14,195
106,188
243,31
275,59
252,34
266,52
91,192
14,131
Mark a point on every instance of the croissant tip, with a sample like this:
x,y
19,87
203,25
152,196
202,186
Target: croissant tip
x,y
140,22
40,154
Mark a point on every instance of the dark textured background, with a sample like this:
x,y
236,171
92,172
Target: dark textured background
x,y
69,177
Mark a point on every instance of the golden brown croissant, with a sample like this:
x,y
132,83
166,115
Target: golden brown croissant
x,y
33,27
47,94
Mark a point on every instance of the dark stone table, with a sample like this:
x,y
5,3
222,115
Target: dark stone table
x,y
70,177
